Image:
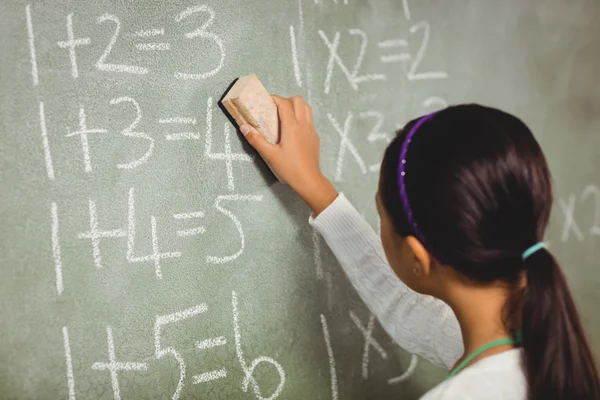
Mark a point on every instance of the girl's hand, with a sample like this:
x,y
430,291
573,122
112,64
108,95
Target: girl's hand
x,y
296,158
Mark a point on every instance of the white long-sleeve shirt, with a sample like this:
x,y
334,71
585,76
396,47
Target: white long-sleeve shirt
x,y
420,324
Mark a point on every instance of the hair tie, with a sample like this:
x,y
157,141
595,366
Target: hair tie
x,y
533,249
402,185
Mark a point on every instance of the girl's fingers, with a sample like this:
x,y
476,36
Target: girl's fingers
x,y
299,111
285,109
259,142
308,112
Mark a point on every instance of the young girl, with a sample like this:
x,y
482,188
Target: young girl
x,y
464,199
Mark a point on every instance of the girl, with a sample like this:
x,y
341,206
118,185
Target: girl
x,y
464,199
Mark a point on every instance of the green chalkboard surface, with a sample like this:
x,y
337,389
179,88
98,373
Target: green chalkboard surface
x,y
147,252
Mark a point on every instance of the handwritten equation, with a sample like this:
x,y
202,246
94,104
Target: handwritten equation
x,y
151,40
392,51
175,128
163,350
98,233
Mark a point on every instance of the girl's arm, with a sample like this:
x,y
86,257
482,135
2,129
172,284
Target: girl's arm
x,y
420,324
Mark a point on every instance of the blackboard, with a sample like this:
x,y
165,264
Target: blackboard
x,y
146,250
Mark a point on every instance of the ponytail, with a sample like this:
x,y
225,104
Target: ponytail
x,y
558,360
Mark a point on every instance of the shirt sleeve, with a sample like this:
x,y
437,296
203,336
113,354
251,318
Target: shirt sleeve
x,y
420,324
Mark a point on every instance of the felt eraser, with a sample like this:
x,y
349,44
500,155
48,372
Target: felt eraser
x,y
248,102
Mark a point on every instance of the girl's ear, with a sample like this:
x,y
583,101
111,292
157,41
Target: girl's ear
x,y
421,255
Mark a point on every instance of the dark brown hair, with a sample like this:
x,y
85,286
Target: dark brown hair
x,y
480,188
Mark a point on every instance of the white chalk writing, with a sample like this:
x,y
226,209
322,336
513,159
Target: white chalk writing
x,y
237,223
345,144
71,44
354,79
129,132
114,366
31,41
249,370
101,64
160,351
203,33
367,333
332,370
83,136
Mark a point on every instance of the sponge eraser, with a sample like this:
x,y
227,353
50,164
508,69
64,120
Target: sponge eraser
x,y
248,102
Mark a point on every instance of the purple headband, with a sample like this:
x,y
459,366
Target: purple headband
x,y
402,184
